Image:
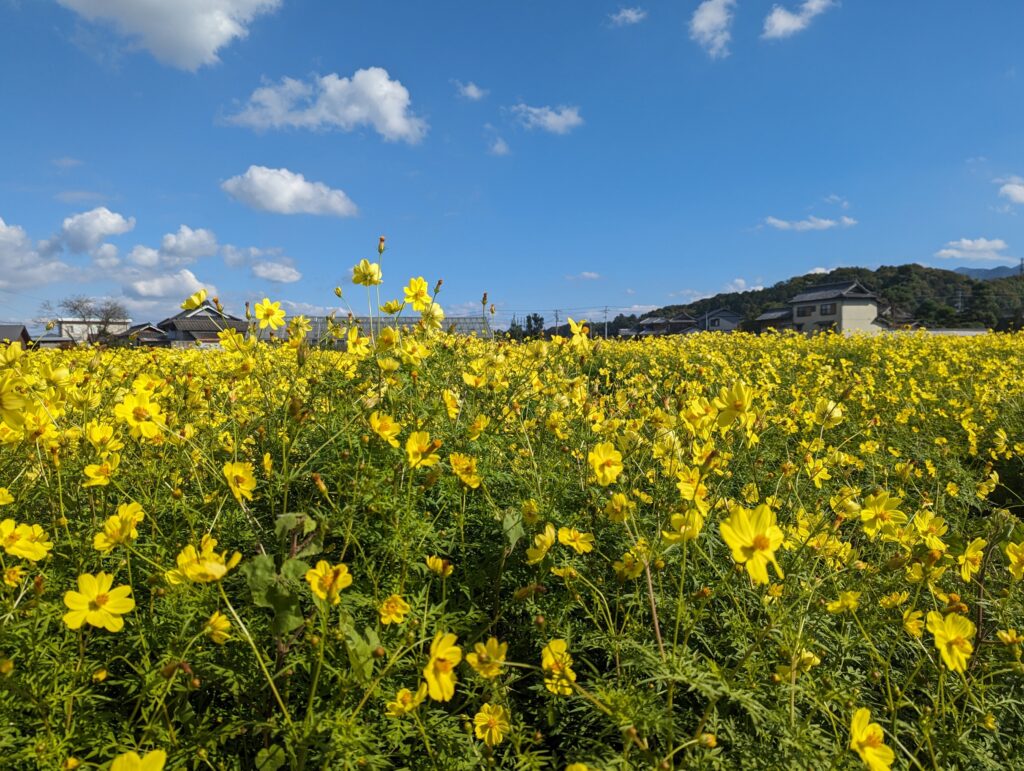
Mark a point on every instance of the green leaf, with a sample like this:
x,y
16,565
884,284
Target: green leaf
x,y
512,525
270,758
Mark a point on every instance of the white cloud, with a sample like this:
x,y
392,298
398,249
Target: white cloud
x,y
586,275
105,256
21,264
499,147
285,192
87,230
689,295
176,249
187,245
811,223
168,286
277,272
369,98
557,120
741,285
627,16
782,23
975,249
816,271
67,162
182,33
1012,189
630,291
470,91
709,26
838,200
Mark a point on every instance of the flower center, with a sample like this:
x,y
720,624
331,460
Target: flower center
x,y
761,542
443,665
98,602
140,413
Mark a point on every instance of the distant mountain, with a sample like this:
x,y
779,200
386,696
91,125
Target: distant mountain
x,y
988,274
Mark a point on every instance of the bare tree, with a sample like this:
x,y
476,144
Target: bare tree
x,y
99,313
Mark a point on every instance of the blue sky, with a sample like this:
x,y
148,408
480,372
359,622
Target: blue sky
x,y
569,154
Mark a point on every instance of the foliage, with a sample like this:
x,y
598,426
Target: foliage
x,y
723,551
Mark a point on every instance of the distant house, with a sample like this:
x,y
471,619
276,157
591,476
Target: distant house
x,y
719,320
11,333
146,334
54,339
844,307
199,326
659,326
89,330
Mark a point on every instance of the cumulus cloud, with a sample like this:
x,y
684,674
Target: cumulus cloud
x,y
741,285
286,192
782,23
557,120
499,147
176,249
278,272
21,263
369,98
105,256
1012,189
85,231
182,33
817,271
710,24
167,286
627,16
811,223
975,249
470,91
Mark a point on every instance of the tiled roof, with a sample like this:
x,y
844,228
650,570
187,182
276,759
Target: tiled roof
x,y
12,331
775,314
844,289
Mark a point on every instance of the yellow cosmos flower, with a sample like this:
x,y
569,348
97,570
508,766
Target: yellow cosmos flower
x,y
487,658
542,543
130,761
417,294
97,604
269,314
367,273
99,474
29,542
619,507
880,514
326,581
685,526
581,543
868,741
393,610
217,628
386,427
954,636
491,724
893,600
557,665
421,450
733,403
5,496
753,538
848,601
144,417
406,701
464,467
606,463
202,565
440,566
439,672
970,560
14,575
120,528
194,300
1009,637
1015,554
241,479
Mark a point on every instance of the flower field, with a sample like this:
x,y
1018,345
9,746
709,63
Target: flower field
x,y
440,552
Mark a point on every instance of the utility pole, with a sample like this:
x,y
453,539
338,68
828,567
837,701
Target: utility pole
x,y
606,322
556,320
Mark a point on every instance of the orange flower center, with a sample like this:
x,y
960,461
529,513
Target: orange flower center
x,y
761,542
873,739
442,665
140,413
98,602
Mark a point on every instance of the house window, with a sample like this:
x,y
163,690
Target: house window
x,y
805,310
715,322
828,309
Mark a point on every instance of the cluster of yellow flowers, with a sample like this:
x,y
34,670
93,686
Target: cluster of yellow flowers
x,y
837,517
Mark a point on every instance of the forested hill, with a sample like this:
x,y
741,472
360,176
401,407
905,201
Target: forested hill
x,y
929,295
